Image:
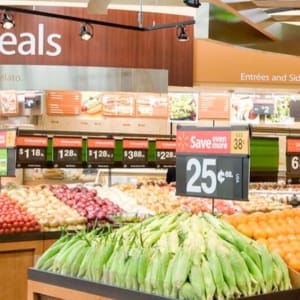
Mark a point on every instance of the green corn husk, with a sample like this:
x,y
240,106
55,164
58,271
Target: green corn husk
x,y
182,268
223,255
61,257
107,274
143,263
217,273
162,271
131,281
187,292
210,287
118,267
196,279
147,286
168,278
51,252
266,261
242,275
70,255
285,283
255,272
277,276
90,258
84,263
48,264
75,266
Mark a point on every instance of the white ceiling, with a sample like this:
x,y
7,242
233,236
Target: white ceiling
x,y
256,13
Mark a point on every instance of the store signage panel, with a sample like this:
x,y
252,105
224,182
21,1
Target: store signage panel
x,y
63,103
293,145
165,153
293,164
151,105
196,140
100,152
31,152
118,104
183,107
263,104
212,163
214,106
7,138
135,153
293,156
3,162
67,152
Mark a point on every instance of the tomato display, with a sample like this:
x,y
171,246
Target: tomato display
x,y
14,218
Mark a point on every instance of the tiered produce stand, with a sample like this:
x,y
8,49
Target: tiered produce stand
x,y
43,284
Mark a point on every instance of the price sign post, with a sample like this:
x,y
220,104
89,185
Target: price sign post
x,y
31,152
293,157
212,162
165,153
67,152
135,153
100,152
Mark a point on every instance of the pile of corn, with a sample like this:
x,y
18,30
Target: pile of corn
x,y
178,256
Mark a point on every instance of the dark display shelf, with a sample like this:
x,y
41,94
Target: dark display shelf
x,y
29,236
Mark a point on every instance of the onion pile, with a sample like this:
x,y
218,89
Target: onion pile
x,y
127,203
50,212
87,203
14,218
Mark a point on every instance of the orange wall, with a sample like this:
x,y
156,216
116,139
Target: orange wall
x,y
217,62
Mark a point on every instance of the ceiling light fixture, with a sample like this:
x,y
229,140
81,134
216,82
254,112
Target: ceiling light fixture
x,y
86,31
181,34
96,22
7,21
192,3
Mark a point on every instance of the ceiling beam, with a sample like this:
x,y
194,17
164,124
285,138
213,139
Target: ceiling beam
x,y
254,16
277,3
285,18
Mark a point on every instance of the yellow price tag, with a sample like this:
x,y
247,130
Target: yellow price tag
x,y
10,138
240,142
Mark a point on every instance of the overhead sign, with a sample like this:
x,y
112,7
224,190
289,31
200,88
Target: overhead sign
x,y
293,156
100,152
67,152
165,153
212,162
135,153
31,151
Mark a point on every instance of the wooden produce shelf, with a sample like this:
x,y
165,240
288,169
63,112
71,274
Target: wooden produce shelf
x,y
18,252
42,285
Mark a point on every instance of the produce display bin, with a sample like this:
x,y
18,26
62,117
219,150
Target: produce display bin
x,y
18,252
42,285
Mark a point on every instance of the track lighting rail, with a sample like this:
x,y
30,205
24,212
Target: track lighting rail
x,y
93,21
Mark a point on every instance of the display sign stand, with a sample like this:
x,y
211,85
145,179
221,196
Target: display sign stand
x,y
213,162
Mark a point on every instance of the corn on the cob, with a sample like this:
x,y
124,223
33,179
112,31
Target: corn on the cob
x,y
187,292
209,284
255,272
196,279
285,283
70,255
51,252
193,258
143,263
